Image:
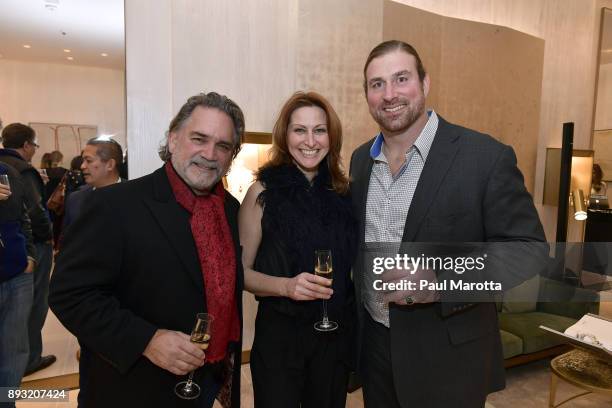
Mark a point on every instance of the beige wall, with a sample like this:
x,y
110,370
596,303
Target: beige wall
x,y
483,76
330,59
149,60
240,48
261,52
58,93
570,29
258,53
603,117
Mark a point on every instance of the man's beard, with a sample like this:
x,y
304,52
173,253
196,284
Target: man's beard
x,y
412,112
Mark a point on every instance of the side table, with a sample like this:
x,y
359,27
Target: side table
x,y
583,369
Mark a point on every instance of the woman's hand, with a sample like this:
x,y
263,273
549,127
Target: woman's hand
x,y
5,192
307,286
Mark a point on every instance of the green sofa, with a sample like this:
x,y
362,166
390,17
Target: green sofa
x,y
540,301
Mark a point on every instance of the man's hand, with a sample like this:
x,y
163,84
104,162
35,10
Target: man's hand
x,y
30,267
5,192
417,295
307,286
172,351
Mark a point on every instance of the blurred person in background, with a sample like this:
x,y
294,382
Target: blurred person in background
x,y
45,161
74,177
102,160
55,173
17,258
20,145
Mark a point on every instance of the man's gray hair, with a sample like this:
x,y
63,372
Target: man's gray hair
x,y
206,100
107,148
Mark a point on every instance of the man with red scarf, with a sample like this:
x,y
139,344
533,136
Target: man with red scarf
x,y
151,254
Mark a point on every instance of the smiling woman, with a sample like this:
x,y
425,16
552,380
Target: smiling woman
x,y
60,79
299,206
307,139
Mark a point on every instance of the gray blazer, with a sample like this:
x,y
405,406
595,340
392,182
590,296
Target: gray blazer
x,y
470,190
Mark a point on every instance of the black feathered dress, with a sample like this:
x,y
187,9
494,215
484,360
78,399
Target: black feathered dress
x,y
292,364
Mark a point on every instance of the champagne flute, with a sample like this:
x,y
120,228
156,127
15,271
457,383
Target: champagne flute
x,y
44,175
324,268
199,335
5,180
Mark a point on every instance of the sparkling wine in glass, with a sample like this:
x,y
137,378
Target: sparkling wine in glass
x,y
324,268
5,180
199,335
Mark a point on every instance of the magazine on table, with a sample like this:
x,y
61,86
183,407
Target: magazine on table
x,y
591,332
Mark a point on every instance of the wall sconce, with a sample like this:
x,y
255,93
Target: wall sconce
x,y
579,204
252,155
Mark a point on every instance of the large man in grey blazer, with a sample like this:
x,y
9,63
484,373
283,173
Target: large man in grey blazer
x,y
423,179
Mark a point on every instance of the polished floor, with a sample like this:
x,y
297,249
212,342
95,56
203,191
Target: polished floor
x,y
527,386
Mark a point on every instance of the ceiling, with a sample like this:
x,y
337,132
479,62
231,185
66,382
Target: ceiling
x,y
87,28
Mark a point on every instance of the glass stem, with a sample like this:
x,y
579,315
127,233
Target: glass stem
x,y
189,381
325,319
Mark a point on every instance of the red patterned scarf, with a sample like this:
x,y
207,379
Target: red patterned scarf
x,y
215,247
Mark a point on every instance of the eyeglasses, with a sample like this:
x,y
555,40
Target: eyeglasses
x,y
36,145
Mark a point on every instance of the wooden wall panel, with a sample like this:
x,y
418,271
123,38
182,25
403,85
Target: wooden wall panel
x,y
240,48
484,77
423,30
333,42
570,29
245,50
500,95
259,52
603,117
148,81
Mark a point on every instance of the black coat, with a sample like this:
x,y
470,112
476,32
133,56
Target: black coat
x,y
34,194
133,268
16,242
470,190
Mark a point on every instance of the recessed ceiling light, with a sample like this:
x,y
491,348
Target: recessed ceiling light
x,y
104,54
27,46
66,50
51,5
69,58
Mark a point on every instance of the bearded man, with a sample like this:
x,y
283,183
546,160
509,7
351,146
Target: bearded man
x,y
424,180
150,254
